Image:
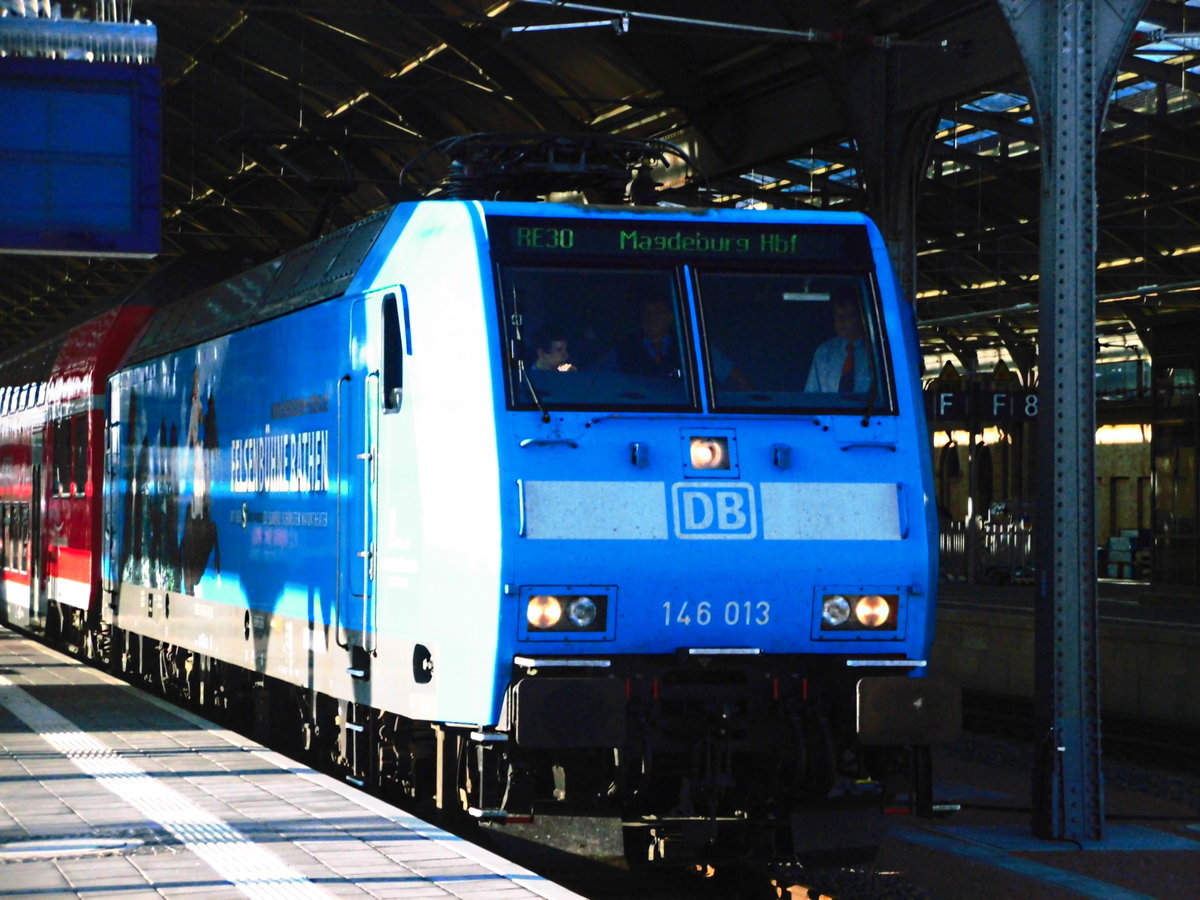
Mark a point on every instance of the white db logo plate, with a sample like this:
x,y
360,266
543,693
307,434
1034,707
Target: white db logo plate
x,y
714,510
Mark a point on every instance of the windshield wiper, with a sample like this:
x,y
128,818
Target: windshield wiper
x,y
516,355
866,419
524,376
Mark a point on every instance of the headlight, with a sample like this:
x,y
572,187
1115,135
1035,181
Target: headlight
x,y
836,610
710,453
582,612
564,616
872,611
860,612
543,611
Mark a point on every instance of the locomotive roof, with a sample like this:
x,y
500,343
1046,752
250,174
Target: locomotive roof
x,y
317,271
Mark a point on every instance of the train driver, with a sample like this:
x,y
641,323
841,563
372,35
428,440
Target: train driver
x,y
550,342
840,364
655,351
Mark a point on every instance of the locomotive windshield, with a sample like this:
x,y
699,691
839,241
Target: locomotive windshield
x,y
802,341
586,337
599,315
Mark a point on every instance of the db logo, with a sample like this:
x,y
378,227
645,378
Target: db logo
x,y
714,510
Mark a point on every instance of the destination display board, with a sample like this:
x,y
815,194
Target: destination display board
x,y
689,237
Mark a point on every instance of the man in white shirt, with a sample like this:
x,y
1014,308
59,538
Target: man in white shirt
x,y
840,365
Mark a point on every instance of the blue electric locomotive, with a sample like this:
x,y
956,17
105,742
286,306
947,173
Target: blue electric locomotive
x,y
508,506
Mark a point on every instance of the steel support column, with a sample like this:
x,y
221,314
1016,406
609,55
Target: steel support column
x,y
1071,49
893,145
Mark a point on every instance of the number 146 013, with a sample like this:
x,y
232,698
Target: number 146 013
x,y
744,612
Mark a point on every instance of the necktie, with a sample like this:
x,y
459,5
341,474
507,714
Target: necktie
x,y
846,384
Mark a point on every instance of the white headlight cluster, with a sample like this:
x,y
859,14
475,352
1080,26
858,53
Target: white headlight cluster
x,y
836,610
859,612
582,612
548,612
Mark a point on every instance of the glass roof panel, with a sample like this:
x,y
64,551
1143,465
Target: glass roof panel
x,y
996,102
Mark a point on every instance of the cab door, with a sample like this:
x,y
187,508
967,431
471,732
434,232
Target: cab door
x,y
359,399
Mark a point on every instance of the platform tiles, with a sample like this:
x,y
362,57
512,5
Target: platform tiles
x,y
106,792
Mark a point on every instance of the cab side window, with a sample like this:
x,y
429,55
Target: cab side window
x,y
393,355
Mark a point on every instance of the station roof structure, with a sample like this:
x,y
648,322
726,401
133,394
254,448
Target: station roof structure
x,y
284,120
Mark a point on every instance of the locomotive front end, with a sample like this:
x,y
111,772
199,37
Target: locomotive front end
x,y
719,572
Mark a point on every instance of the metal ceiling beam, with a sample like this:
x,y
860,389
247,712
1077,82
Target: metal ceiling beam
x,y
1172,16
1165,73
786,114
1157,126
1005,124
485,48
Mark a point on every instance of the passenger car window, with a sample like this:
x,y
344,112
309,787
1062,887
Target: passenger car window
x,y
79,455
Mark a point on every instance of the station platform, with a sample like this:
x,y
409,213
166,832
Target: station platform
x,y
988,850
1149,639
107,792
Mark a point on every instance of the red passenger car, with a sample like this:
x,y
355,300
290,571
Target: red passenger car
x,y
52,400
51,458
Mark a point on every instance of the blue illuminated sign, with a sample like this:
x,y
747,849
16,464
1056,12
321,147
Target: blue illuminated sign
x,y
79,158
